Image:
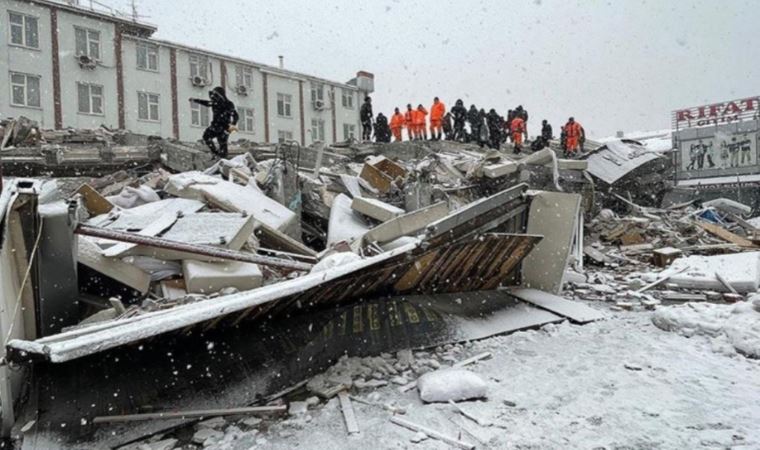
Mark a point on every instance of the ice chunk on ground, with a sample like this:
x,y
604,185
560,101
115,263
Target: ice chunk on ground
x,y
451,384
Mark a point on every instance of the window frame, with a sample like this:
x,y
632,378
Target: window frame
x,y
24,36
317,92
282,102
246,114
347,127
284,132
26,89
244,74
148,103
90,97
88,43
345,97
317,130
196,59
200,109
149,48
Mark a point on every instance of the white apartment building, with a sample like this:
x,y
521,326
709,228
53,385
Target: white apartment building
x,y
66,65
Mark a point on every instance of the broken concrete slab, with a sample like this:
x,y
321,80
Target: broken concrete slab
x,y
500,169
575,311
91,256
139,217
345,224
228,230
235,198
407,224
376,209
206,278
741,270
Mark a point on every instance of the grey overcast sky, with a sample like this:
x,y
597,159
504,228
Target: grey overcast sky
x,y
614,65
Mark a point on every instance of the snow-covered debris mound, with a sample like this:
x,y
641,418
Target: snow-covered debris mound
x,y
739,323
451,384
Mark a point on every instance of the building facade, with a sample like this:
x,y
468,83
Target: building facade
x,y
70,66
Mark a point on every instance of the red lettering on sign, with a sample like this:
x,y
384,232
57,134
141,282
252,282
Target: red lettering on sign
x,y
732,108
714,109
684,114
701,112
749,103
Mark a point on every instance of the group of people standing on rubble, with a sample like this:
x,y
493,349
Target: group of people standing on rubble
x,y
485,128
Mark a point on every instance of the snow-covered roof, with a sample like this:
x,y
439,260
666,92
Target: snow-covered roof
x,y
617,158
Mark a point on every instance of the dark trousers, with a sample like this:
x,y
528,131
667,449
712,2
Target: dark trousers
x,y
221,135
366,131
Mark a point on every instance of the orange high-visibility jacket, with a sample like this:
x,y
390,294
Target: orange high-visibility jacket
x,y
409,118
518,125
573,130
397,121
437,112
419,116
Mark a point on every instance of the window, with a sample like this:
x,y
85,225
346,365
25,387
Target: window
x,y
283,105
87,43
147,56
317,92
24,30
244,77
284,135
199,115
317,130
348,99
199,67
90,98
25,90
245,124
349,131
147,106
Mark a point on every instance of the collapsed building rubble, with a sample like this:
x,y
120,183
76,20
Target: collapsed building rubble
x,y
449,242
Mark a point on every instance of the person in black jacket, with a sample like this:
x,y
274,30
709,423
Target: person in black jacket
x,y
459,112
547,133
473,117
365,115
382,130
448,131
223,122
494,129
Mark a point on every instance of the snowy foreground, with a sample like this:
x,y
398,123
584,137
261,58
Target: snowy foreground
x,y
621,383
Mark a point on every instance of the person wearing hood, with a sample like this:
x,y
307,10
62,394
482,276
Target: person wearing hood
x,y
437,111
397,124
365,115
448,131
494,121
223,123
382,131
409,122
460,115
473,118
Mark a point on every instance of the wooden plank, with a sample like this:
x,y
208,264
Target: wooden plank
x,y
722,233
348,413
575,311
93,201
279,409
431,433
725,283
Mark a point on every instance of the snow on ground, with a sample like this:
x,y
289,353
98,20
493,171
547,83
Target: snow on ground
x,y
618,383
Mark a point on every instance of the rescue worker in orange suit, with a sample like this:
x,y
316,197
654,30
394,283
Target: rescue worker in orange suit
x,y
573,133
420,119
517,129
409,122
437,112
397,124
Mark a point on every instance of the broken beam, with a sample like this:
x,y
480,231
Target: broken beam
x,y
279,409
206,250
431,433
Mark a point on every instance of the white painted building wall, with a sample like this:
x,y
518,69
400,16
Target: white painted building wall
x,y
138,80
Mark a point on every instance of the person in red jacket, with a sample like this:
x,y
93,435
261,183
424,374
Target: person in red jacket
x,y
437,111
420,119
397,124
573,133
517,130
409,122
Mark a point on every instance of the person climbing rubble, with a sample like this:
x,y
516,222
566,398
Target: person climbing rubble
x,y
459,113
397,124
366,115
223,123
437,111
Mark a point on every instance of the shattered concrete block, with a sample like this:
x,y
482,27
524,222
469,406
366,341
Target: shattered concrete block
x,y
212,423
500,169
376,209
206,278
298,408
407,224
228,230
90,255
203,435
571,164
344,224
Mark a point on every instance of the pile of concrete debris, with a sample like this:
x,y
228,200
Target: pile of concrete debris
x,y
687,252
